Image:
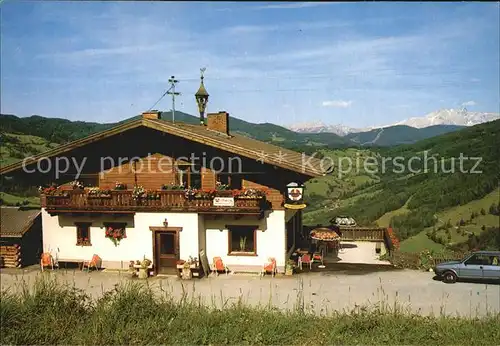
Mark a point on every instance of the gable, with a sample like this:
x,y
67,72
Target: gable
x,y
236,144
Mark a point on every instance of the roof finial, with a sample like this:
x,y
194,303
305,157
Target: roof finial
x,y
202,97
202,72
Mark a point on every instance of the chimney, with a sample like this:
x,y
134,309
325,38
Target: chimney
x,y
218,122
153,115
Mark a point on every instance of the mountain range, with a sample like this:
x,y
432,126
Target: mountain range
x,y
307,139
456,117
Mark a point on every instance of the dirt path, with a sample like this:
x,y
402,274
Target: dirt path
x,y
321,292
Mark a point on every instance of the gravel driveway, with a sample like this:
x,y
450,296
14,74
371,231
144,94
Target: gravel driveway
x,y
321,292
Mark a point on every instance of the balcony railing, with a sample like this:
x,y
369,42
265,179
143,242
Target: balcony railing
x,y
362,233
123,200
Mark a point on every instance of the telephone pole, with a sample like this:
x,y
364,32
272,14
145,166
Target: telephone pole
x,y
173,82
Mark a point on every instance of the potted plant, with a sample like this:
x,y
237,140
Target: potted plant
x,y
243,243
290,265
76,185
138,192
120,186
115,234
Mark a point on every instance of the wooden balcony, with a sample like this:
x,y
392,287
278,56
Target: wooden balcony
x,y
123,201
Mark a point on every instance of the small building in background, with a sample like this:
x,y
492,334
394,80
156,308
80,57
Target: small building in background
x,y
20,237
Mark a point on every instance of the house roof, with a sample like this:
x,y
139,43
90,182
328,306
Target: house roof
x,y
15,222
237,144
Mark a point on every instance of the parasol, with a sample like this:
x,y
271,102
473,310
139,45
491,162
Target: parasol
x,y
324,234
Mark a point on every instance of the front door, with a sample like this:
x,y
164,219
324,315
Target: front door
x,y
166,252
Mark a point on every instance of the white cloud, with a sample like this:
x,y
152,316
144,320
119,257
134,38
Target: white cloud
x,y
469,103
337,104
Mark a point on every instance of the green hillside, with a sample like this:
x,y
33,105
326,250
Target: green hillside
x,y
62,130
400,134
15,147
456,224
415,202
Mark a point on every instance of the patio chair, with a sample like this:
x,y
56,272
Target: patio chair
x,y
46,260
219,266
95,262
318,257
270,267
306,258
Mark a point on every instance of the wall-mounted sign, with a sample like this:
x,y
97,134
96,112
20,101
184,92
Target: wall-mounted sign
x,y
295,196
223,202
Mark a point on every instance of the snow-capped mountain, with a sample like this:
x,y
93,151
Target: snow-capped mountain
x,y
460,117
319,127
449,117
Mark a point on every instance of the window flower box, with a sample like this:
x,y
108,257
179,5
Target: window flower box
x,y
115,234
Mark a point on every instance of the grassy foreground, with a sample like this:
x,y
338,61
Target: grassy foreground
x,y
50,313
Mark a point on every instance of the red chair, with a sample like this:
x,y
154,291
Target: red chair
x,y
306,258
270,267
95,262
218,266
46,261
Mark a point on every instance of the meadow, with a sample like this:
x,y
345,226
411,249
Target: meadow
x,y
51,313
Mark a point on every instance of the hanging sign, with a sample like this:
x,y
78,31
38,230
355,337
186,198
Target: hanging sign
x,y
295,196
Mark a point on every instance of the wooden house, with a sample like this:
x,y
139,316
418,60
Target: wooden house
x,y
166,191
20,236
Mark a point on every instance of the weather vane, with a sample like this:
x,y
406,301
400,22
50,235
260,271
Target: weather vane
x,y
202,71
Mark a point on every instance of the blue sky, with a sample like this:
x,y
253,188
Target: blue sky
x,y
357,64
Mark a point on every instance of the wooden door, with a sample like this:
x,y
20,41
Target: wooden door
x,y
167,252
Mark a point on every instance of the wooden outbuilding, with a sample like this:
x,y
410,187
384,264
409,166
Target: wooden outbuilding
x,y
20,237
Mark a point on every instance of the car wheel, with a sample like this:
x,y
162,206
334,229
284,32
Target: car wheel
x,y
449,277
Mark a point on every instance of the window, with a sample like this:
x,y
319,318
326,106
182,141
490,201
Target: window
x,y
232,180
478,260
495,261
83,234
182,175
195,177
195,180
242,240
89,179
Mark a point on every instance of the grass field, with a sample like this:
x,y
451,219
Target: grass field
x,y
385,220
420,241
133,314
12,200
15,147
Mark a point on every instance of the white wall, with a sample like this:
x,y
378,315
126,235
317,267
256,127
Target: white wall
x,y
59,232
270,240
